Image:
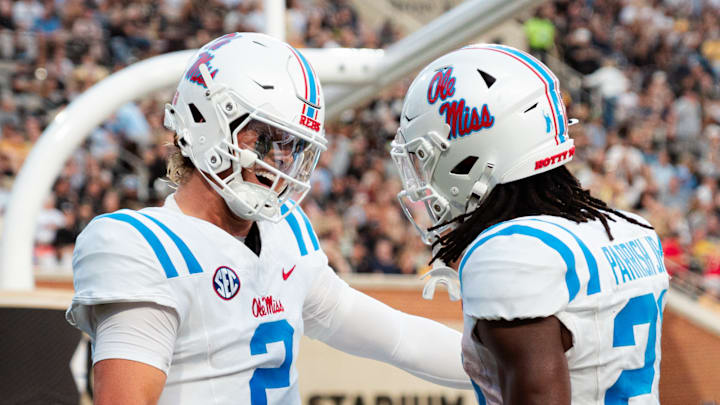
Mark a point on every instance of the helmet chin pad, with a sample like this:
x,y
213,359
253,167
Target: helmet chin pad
x,y
254,204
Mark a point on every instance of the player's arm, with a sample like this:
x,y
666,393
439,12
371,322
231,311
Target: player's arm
x,y
531,359
124,303
353,322
120,381
515,285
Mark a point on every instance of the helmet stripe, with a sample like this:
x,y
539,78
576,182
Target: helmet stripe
x,y
544,77
550,82
310,83
318,92
294,51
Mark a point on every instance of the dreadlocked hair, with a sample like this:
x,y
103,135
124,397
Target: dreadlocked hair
x,y
556,192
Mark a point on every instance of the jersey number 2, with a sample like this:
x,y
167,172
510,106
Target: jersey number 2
x,y
279,377
639,310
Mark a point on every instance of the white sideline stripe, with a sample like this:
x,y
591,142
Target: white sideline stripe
x,y
43,298
52,298
694,312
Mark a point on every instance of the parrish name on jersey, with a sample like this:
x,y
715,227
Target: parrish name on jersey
x,y
632,260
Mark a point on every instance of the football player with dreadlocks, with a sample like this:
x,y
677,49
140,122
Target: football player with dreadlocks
x,y
204,300
562,295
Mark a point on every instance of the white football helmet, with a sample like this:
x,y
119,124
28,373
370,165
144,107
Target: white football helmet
x,y
477,117
250,105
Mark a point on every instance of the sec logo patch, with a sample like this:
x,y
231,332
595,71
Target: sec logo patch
x,y
226,283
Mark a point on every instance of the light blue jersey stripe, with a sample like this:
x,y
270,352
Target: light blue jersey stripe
x,y
478,393
295,227
594,282
150,237
311,232
660,249
571,279
308,226
660,303
491,227
548,78
190,260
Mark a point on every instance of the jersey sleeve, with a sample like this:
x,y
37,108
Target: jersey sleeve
x,y
113,262
323,303
141,332
358,324
518,272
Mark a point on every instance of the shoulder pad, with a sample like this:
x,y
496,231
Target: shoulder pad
x,y
118,258
522,268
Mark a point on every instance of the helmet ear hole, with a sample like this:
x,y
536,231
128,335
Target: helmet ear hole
x,y
196,114
465,166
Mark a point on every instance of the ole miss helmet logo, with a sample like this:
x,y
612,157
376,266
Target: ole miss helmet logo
x,y
226,283
463,120
205,58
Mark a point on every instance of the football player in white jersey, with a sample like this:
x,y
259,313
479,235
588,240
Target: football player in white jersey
x,y
562,295
204,300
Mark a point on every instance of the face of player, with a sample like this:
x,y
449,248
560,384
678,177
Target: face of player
x,y
275,147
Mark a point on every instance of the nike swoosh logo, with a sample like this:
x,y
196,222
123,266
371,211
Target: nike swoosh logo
x,y
286,275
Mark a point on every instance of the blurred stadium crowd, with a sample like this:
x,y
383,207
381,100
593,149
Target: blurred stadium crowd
x,y
650,139
649,106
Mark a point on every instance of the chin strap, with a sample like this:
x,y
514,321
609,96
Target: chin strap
x,y
480,188
210,85
441,274
247,158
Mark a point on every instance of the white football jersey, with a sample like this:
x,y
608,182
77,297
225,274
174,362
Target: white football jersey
x,y
608,294
240,315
